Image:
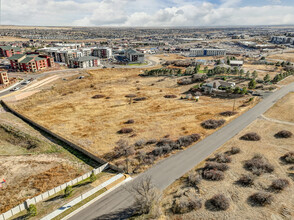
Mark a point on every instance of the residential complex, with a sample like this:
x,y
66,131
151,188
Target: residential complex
x,y
134,56
102,52
31,62
8,51
207,52
84,62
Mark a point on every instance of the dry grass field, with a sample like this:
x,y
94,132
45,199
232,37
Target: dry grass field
x,y
262,70
30,163
285,56
283,110
269,147
69,109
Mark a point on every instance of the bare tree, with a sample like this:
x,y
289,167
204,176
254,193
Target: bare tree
x,y
147,198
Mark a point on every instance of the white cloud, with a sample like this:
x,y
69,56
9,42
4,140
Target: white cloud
x,y
142,13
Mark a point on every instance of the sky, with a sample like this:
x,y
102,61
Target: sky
x,y
147,13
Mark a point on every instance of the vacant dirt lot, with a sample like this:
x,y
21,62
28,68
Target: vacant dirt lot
x,y
70,110
240,208
30,163
283,110
285,56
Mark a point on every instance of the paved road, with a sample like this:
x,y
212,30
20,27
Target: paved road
x,y
116,204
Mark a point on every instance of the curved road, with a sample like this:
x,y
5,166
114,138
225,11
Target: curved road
x,y
117,204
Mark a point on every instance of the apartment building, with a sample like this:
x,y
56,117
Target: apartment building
x,y
282,40
4,78
84,62
206,52
134,56
8,51
102,52
31,62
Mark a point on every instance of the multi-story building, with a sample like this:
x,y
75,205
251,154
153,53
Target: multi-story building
x,y
134,56
4,78
84,62
31,62
282,40
102,52
8,51
207,52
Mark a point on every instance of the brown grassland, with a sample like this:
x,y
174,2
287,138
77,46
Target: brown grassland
x,y
285,56
272,149
69,109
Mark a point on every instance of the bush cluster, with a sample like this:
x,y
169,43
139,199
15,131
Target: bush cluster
x,y
139,99
151,141
212,124
140,143
123,149
252,136
280,184
98,96
214,175
216,166
125,131
188,140
220,202
246,180
261,198
258,165
289,157
228,113
283,134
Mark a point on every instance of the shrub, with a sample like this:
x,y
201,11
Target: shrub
x,y
214,175
170,96
216,166
258,165
98,96
188,140
246,180
123,149
157,151
220,202
280,184
140,143
222,158
194,178
68,191
151,141
261,198
212,124
130,121
228,113
125,131
289,157
235,150
186,204
32,210
140,99
252,136
169,142
283,134
93,178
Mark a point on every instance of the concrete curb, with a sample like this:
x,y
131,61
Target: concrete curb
x,y
97,198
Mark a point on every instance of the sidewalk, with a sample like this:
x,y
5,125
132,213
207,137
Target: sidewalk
x,y
86,195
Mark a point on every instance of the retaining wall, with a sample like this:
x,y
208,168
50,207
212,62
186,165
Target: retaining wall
x,y
49,193
59,137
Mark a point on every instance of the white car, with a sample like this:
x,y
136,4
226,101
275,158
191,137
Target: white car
x,y
15,89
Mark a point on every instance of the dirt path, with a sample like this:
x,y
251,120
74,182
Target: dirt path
x,y
276,121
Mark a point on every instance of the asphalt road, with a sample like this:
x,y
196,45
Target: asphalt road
x,y
117,204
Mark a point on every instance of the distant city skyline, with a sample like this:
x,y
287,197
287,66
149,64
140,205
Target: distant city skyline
x,y
149,13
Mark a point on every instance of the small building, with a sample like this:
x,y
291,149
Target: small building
x,y
31,62
216,85
4,78
84,62
236,63
8,51
200,52
134,56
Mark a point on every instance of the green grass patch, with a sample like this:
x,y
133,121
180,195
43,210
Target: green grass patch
x,y
137,64
70,210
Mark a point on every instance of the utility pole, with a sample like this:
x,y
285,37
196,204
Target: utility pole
x,y
234,104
